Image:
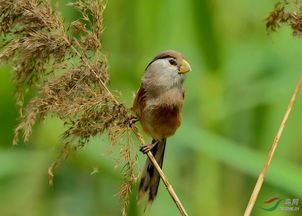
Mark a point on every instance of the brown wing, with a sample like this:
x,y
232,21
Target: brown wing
x,y
139,101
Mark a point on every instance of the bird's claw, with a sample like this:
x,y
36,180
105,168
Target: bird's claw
x,y
131,121
148,147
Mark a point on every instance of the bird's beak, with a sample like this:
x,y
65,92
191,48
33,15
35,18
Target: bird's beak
x,y
185,67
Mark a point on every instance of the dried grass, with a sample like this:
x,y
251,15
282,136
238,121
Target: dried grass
x,y
36,43
286,12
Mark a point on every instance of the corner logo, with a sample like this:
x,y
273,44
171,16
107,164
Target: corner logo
x,y
287,205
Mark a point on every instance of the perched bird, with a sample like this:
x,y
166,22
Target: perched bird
x,y
158,106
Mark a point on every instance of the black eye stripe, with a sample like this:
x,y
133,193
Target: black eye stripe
x,y
161,57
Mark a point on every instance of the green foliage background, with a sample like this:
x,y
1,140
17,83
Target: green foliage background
x,y
237,93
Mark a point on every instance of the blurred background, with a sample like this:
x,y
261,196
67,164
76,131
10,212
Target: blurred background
x,y
236,95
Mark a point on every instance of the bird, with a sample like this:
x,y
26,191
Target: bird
x,y
158,106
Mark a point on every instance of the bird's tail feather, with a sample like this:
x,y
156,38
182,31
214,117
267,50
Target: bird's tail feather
x,y
150,177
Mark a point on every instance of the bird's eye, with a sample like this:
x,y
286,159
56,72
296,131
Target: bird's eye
x,y
172,62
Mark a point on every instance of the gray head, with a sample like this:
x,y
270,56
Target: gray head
x,y
166,70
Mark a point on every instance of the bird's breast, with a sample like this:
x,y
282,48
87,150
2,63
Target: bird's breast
x,y
161,120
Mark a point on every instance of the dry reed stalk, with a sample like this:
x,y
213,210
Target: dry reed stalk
x,y
162,174
269,158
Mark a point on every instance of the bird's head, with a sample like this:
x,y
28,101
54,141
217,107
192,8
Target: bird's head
x,y
166,70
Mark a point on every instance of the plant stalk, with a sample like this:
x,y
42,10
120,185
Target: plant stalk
x,y
270,155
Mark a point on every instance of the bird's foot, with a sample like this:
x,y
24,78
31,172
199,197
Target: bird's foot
x,y
131,121
148,147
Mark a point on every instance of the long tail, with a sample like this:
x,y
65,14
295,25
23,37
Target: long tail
x,y
150,177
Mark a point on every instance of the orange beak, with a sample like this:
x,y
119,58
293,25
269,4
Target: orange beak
x,y
185,67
